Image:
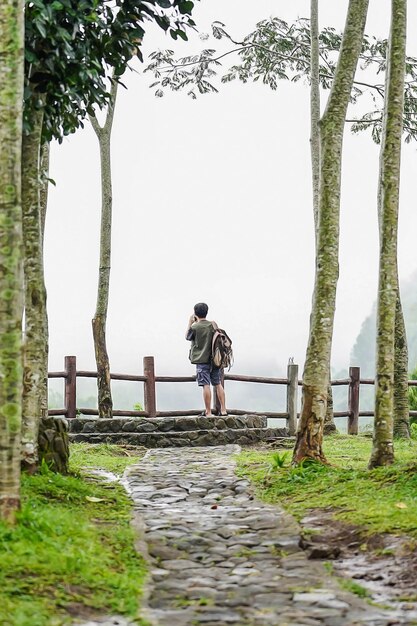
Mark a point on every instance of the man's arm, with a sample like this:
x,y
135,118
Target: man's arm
x,y
189,334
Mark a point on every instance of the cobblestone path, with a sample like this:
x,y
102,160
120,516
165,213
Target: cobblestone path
x,y
219,556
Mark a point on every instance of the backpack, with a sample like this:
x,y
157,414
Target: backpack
x,y
221,348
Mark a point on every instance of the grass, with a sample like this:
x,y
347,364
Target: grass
x,y
354,587
380,500
105,456
72,551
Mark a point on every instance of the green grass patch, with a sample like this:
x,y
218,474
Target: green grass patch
x,y
381,500
353,587
104,456
72,551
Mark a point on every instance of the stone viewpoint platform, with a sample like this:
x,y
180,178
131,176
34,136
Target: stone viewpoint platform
x,y
165,432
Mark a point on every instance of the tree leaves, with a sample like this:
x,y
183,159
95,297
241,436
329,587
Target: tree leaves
x,y
277,51
71,46
186,7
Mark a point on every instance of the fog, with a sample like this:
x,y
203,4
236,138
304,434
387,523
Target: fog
x,y
213,202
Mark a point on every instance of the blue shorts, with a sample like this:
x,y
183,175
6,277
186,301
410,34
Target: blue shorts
x,y
207,374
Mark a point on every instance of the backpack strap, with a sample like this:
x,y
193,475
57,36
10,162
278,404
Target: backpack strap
x,y
213,339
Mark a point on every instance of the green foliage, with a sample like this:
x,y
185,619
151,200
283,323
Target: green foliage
x,y
137,406
278,461
70,46
353,587
113,458
380,500
412,391
72,551
277,50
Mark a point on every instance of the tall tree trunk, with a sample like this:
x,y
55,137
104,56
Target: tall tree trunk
x,y
11,273
43,199
330,426
315,111
35,357
383,449
105,403
43,192
401,397
316,370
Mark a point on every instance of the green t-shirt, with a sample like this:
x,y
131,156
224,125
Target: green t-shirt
x,y
200,351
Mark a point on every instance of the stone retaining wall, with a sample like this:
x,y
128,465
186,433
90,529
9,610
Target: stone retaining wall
x,y
164,424
174,432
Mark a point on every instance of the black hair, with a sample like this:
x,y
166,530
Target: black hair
x,y
201,309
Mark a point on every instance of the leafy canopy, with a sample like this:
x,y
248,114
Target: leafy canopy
x,y
412,391
276,51
72,45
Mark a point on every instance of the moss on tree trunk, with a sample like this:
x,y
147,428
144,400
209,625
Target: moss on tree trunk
x,y
11,271
330,426
35,359
389,186
316,369
54,444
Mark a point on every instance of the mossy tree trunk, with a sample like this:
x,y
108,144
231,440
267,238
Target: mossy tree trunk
x,y
105,403
315,157
35,356
401,397
43,198
315,111
43,193
389,187
316,370
54,444
11,271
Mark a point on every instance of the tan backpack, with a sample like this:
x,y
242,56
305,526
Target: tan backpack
x,y
221,348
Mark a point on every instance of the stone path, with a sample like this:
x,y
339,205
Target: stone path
x,y
219,556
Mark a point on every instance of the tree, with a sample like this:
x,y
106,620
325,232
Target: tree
x,y
35,356
316,369
69,47
11,303
105,403
389,186
315,157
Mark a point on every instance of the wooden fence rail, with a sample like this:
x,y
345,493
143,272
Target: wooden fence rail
x,y
149,379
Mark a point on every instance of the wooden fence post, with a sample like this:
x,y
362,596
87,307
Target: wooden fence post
x,y
71,387
353,400
149,385
292,391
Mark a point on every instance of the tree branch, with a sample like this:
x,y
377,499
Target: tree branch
x,y
106,128
242,46
110,110
96,126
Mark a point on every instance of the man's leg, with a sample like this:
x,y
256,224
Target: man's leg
x,y
207,399
222,398
203,380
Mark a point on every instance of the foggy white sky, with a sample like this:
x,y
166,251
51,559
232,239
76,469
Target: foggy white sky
x,y
235,163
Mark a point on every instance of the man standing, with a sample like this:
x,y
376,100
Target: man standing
x,y
200,332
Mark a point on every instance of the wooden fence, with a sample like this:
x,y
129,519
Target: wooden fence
x,y
149,380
